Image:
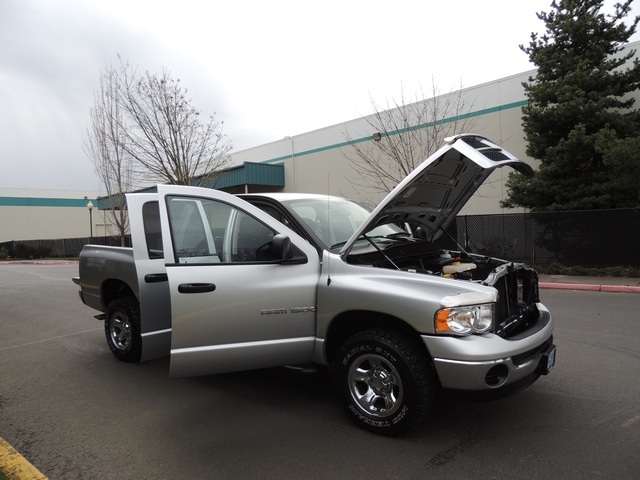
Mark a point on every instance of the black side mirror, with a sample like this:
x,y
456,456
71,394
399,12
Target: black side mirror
x,y
281,247
284,252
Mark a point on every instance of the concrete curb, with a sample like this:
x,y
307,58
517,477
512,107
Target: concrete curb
x,y
590,288
39,262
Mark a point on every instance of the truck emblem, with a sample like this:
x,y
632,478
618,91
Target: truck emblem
x,y
284,311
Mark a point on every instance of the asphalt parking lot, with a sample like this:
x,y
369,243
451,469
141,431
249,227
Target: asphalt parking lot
x,y
74,411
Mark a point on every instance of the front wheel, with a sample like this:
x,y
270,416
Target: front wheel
x,y
122,329
385,380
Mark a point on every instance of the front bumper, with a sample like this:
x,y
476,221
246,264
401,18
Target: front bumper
x,y
489,362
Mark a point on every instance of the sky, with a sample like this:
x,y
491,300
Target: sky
x,y
268,69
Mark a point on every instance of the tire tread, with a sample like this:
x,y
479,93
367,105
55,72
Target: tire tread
x,y
418,362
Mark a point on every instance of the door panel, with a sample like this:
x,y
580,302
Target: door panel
x,y
239,308
250,308
153,287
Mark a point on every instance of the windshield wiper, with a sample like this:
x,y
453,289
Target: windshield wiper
x,y
391,236
398,235
339,244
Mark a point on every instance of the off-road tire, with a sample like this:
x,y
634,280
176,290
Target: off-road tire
x,y
385,380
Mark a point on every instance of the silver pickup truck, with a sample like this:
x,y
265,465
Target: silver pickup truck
x,y
226,283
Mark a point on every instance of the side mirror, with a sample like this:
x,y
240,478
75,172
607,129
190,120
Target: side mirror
x,y
281,247
283,251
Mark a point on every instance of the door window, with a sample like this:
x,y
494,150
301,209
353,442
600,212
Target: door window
x,y
152,231
208,231
251,240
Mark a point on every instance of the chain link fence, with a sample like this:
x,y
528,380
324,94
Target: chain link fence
x,y
593,238
590,238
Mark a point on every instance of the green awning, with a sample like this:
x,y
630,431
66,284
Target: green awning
x,y
248,173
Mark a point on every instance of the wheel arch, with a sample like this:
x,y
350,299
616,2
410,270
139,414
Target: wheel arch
x,y
348,323
112,289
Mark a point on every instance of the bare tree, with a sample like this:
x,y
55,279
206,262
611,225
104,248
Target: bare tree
x,y
405,134
104,144
166,135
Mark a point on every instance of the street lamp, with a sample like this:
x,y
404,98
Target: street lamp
x,y
90,207
293,161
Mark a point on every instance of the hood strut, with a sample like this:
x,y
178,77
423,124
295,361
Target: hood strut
x,y
375,245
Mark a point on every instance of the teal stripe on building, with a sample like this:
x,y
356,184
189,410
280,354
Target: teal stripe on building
x,y
249,173
43,202
477,113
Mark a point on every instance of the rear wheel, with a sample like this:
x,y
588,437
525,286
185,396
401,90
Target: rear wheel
x,y
122,329
385,380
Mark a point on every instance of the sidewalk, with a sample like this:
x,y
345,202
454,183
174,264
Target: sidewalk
x,y
597,284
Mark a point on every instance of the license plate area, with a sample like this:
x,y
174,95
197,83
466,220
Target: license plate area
x,y
547,360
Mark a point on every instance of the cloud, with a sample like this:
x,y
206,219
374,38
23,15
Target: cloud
x,y
268,69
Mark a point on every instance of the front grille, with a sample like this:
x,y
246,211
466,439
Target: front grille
x,y
516,311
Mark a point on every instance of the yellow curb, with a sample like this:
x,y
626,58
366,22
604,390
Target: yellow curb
x,y
15,466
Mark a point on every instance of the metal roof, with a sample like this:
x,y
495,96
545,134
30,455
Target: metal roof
x,y
248,173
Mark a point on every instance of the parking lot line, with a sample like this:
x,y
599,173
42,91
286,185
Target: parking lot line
x,y
15,466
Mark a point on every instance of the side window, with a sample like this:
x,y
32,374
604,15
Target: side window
x,y
192,222
152,231
274,213
207,231
251,240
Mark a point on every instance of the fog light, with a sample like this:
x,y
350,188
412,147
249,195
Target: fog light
x,y
496,376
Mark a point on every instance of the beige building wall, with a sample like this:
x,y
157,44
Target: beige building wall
x,y
32,214
319,161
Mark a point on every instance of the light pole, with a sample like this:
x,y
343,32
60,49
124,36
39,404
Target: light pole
x,y
90,207
293,161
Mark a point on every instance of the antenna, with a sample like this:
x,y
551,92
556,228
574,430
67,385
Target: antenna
x,y
328,228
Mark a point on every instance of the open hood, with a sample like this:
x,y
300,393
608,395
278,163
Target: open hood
x,y
431,196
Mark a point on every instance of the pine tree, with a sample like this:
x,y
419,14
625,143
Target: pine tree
x,y
580,121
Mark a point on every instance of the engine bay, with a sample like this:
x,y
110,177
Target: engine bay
x,y
517,285
424,257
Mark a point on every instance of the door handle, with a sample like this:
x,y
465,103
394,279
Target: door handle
x,y
196,287
156,277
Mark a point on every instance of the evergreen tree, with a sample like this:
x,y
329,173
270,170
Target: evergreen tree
x,y
580,121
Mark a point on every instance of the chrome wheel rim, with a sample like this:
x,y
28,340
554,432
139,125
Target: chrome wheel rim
x,y
375,385
120,331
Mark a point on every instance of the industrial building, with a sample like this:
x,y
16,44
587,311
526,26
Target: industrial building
x,y
34,214
314,162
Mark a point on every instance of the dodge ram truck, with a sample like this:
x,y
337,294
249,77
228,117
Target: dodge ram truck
x,y
225,283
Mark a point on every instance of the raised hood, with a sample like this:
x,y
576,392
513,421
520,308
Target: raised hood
x,y
431,196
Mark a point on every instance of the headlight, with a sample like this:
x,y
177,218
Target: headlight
x,y
465,320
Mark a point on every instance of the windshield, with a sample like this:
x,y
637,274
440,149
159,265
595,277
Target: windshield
x,y
334,220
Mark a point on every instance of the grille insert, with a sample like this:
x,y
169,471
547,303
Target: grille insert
x,y
518,295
